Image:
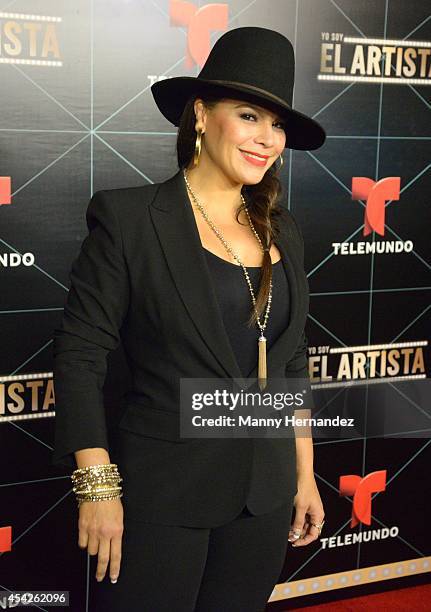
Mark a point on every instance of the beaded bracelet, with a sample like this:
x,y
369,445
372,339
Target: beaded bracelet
x,y
90,483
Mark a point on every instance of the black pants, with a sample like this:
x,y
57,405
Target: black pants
x,y
169,568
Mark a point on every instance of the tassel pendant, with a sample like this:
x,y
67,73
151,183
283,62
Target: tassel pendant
x,y
261,366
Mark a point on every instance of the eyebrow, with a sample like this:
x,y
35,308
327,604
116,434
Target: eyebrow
x,y
256,108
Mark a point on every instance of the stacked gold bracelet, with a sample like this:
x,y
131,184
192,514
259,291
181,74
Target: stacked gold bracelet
x,y
97,482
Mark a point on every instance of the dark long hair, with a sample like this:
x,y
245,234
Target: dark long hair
x,y
261,199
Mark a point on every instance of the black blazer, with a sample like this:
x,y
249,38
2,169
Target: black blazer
x,y
141,278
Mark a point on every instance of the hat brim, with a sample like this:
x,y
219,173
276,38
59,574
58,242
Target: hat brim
x,y
171,95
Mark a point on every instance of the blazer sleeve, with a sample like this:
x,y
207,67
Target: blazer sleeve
x,y
96,305
297,366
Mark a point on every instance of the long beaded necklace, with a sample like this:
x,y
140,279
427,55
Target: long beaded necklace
x,y
261,365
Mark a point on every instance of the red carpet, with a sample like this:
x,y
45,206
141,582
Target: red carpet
x,y
414,598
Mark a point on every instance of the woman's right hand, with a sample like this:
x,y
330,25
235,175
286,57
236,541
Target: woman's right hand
x,y
100,531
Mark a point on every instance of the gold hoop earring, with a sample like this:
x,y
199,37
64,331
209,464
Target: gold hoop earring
x,y
198,147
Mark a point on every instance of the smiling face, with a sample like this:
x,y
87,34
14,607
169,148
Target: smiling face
x,y
242,138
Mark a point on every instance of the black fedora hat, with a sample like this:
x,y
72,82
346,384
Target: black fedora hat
x,y
251,63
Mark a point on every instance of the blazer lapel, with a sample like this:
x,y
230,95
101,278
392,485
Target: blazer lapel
x,y
176,227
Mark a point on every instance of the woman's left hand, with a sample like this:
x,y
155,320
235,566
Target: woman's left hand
x,y
308,509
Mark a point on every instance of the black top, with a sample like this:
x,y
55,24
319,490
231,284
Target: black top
x,y
235,304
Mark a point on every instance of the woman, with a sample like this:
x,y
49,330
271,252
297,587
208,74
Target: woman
x,y
200,276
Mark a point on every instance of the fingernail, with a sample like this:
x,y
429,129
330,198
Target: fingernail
x,y
114,581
